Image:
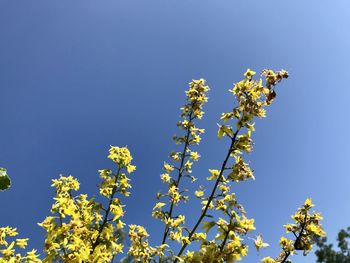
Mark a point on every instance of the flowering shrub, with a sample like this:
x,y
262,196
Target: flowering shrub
x,y
82,229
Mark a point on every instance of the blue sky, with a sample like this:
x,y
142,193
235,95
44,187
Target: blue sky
x,y
78,76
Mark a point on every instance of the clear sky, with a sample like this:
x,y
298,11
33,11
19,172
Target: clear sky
x,y
78,76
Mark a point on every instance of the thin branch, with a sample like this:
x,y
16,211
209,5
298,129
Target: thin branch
x,y
297,240
183,157
105,219
226,236
218,180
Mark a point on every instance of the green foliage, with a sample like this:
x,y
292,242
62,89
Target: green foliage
x,y
5,181
327,254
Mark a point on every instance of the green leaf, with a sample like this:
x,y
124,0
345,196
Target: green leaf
x,y
208,225
5,181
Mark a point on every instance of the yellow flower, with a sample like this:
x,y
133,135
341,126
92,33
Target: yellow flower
x,y
174,194
308,203
249,74
120,155
32,257
214,174
167,167
268,260
259,243
22,243
130,168
165,177
199,193
158,205
194,156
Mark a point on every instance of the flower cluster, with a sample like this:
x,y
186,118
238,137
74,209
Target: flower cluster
x,y
232,225
306,228
140,250
182,164
8,252
122,157
82,229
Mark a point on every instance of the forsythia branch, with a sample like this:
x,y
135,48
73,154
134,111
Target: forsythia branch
x,y
81,229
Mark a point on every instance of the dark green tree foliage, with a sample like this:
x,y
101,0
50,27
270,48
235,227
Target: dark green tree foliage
x,y
5,181
327,254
